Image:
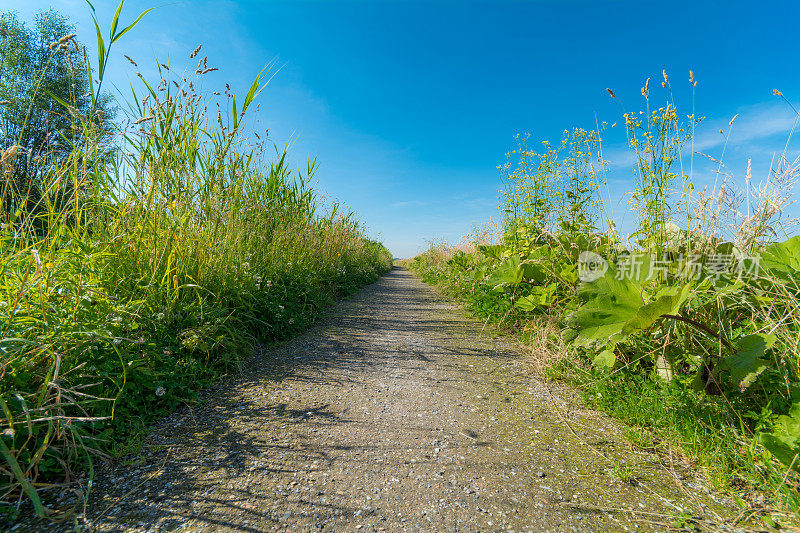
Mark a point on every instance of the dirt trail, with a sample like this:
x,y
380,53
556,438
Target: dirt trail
x,y
398,413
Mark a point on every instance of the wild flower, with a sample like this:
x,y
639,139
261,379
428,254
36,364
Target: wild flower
x,y
161,391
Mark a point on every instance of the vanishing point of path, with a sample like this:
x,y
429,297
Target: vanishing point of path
x,y
395,412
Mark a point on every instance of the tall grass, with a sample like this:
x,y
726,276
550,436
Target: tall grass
x,y
142,273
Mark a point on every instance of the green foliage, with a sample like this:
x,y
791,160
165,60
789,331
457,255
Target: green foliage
x,y
783,442
685,330
614,306
744,367
149,272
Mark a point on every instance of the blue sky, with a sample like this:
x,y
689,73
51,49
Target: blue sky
x,y
410,106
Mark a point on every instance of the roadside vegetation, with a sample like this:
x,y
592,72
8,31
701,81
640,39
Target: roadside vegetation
x,y
687,329
146,245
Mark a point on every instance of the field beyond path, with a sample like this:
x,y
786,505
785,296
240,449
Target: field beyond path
x,y
397,413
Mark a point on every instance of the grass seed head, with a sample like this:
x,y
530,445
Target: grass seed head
x,y
66,38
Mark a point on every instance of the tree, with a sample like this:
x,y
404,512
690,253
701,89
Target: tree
x,y
46,110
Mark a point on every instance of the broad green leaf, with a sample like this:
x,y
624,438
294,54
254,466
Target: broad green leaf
x,y
508,273
608,305
540,296
460,259
605,359
667,301
493,252
747,363
782,260
785,254
782,441
533,272
514,271
615,306
528,303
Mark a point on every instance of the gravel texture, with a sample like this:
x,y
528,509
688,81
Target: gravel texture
x,y
395,412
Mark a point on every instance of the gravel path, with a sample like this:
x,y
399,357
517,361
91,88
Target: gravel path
x,y
394,413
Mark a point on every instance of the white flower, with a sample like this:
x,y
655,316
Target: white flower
x,y
269,283
291,321
160,316
117,342
161,391
245,265
281,308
